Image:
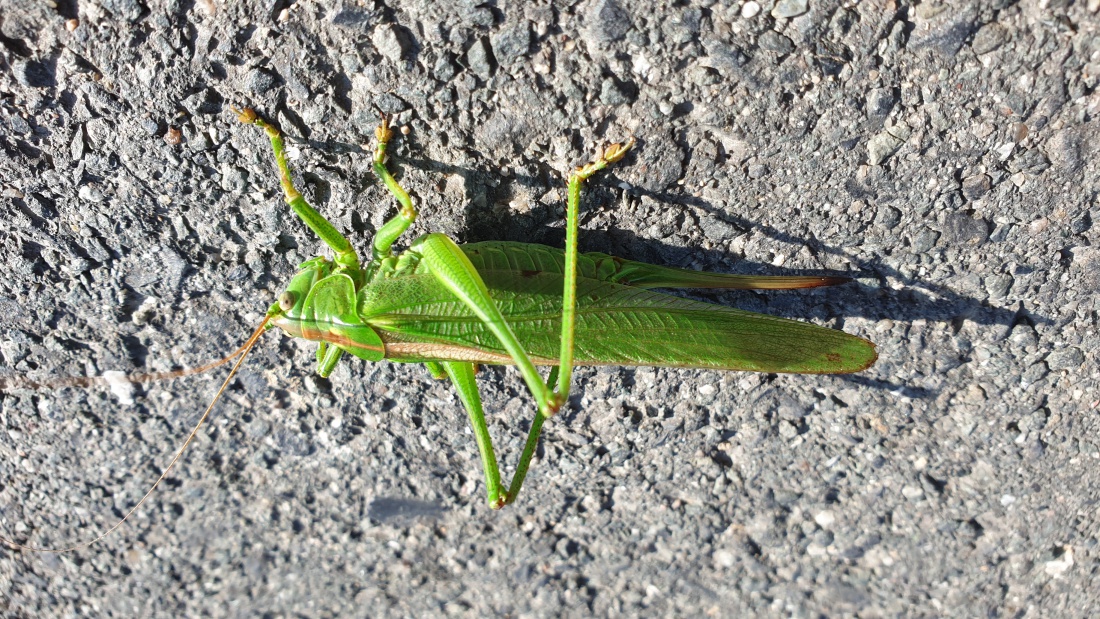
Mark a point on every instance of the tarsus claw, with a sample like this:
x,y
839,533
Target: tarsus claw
x,y
615,152
383,132
247,116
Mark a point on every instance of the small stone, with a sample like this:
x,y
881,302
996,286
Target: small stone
x,y
130,10
656,169
880,101
480,58
444,69
1024,336
259,81
390,103
355,18
772,41
825,519
1081,224
943,29
614,92
750,9
351,63
1086,265
20,125
234,179
758,170
511,44
1033,161
888,217
913,493
389,41
790,8
1066,359
831,57
974,187
120,386
1065,149
33,74
886,143
476,15
990,37
924,240
607,22
721,57
1033,374
76,147
505,133
199,141
997,286
716,229
1056,568
206,101
100,132
88,193
963,229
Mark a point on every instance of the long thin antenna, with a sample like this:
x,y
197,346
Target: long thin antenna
x,y
9,383
243,352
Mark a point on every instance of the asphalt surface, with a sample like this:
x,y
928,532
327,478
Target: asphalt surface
x,y
943,155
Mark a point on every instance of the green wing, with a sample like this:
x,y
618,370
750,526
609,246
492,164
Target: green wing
x,y
616,325
527,257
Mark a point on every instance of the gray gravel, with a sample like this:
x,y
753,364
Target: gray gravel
x,y
943,155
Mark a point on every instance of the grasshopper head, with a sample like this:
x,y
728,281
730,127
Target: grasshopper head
x,y
320,305
290,303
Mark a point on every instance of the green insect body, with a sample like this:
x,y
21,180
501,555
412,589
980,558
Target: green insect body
x,y
453,306
407,315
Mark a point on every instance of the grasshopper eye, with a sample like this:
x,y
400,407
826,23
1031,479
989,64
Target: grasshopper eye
x,y
286,301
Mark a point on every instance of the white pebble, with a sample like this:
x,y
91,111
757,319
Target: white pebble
x,y
1057,567
120,386
90,194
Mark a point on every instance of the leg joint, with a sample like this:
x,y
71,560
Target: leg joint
x,y
553,405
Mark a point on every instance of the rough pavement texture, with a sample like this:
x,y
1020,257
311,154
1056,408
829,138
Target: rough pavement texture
x,y
944,155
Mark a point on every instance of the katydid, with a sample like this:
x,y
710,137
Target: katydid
x,y
452,306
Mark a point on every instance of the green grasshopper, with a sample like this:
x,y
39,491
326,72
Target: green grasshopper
x,y
453,306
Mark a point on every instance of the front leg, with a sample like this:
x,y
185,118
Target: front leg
x,y
345,254
395,227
